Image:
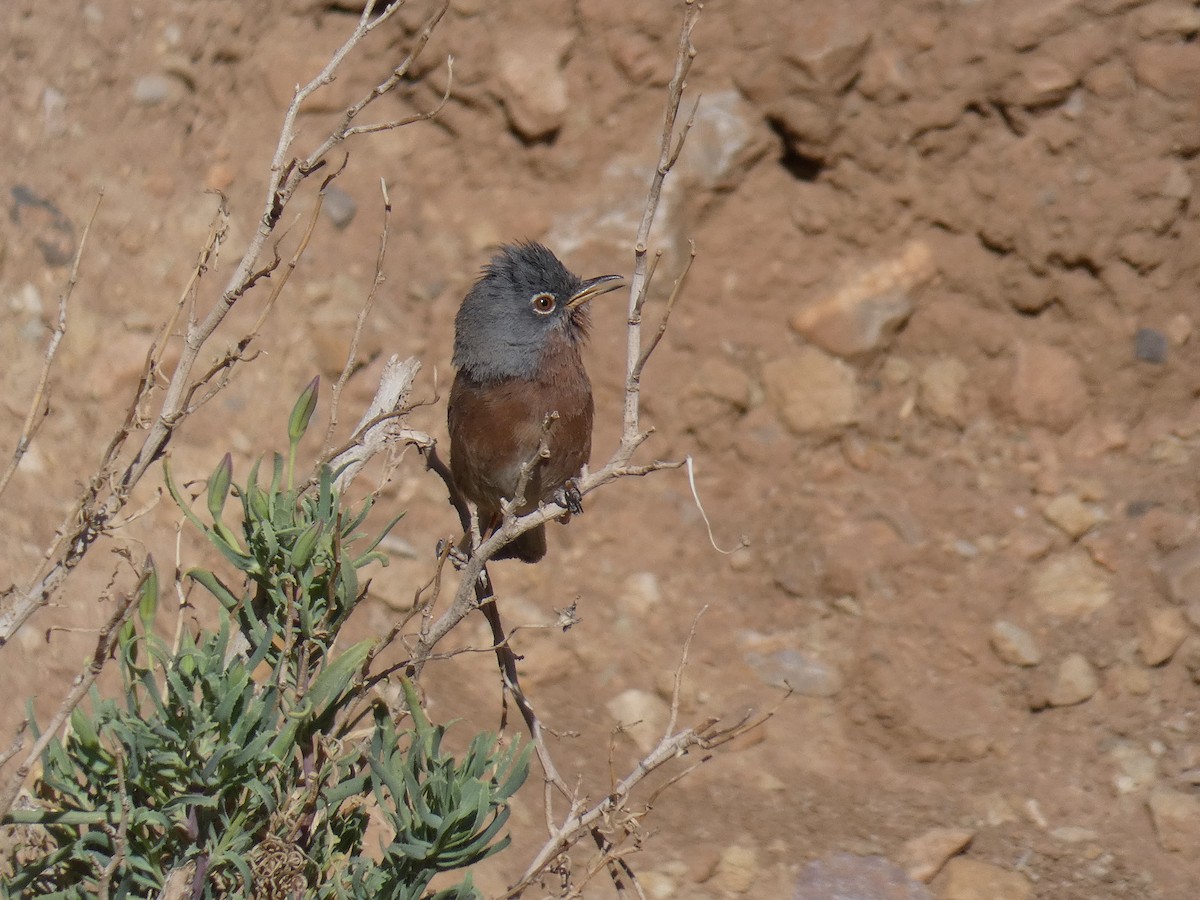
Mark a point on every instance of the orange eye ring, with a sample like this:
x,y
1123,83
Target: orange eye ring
x,y
543,303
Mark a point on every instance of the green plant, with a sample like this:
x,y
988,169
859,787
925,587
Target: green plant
x,y
230,760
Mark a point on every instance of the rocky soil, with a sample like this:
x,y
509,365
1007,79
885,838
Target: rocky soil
x,y
935,362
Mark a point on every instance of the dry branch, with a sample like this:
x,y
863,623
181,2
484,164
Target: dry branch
x,y
38,407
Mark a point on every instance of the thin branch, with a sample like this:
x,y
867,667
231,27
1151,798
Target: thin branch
x,y
38,408
668,154
352,354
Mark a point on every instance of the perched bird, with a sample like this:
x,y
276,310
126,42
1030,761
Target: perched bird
x,y
517,342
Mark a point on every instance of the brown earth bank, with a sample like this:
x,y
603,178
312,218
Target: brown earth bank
x,y
934,361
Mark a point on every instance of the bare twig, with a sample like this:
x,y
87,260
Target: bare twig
x,y
379,426
668,154
38,407
352,353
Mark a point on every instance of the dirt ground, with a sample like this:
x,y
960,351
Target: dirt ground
x,y
934,361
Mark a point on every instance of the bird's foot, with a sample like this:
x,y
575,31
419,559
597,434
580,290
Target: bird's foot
x,y
454,554
569,498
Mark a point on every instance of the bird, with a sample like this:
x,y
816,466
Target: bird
x,y
519,380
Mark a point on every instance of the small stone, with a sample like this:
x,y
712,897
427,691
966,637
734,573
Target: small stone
x,y
1189,655
1072,515
861,312
942,390
1070,585
54,112
1168,17
1163,631
923,857
1150,345
844,875
1170,69
219,177
737,870
1041,81
530,72
640,593
1176,818
896,370
1131,680
1048,387
812,392
1076,682
1177,185
1179,329
718,379
157,89
1136,769
643,716
1014,645
1074,834
793,669
970,879
1178,573
339,206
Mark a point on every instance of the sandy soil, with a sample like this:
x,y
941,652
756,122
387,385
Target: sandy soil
x,y
935,363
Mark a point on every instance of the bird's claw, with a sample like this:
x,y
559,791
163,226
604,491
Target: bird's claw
x,y
454,554
569,498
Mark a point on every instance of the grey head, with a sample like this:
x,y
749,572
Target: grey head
x,y
524,299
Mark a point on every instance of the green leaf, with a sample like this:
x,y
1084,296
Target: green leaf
x,y
218,486
302,412
302,550
215,586
148,595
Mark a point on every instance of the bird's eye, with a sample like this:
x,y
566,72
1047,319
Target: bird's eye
x,y
543,304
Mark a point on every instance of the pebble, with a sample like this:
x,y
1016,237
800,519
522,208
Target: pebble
x,y
863,311
801,672
923,857
970,879
1162,632
1072,515
1014,645
1150,345
157,89
1189,655
1178,573
534,89
941,394
640,593
1176,818
643,716
1076,682
1179,329
1136,769
737,870
726,138
1070,585
339,207
1047,386
811,391
844,875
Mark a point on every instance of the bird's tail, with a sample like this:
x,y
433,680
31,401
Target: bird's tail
x,y
529,547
